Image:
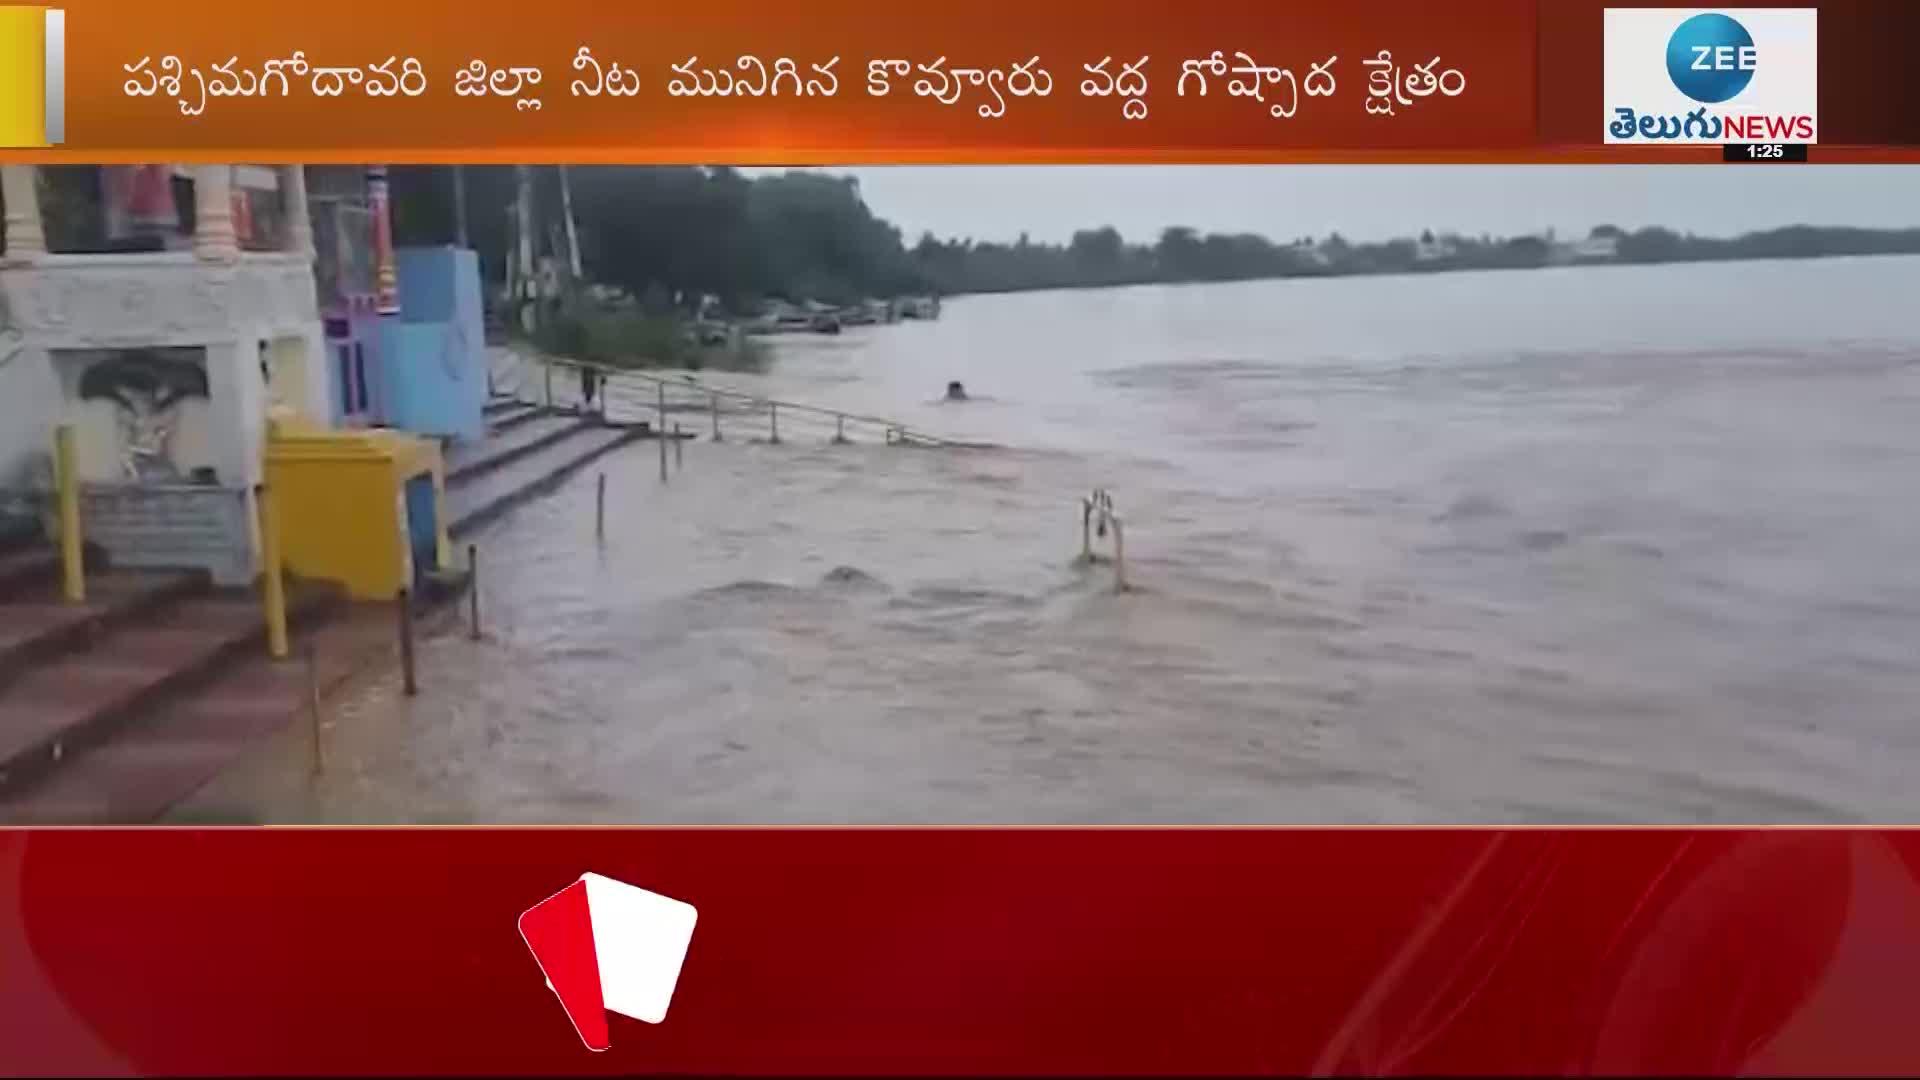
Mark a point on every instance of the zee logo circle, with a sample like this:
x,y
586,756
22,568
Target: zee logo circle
x,y
1711,58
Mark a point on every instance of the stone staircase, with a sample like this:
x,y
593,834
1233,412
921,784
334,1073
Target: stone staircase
x,y
529,449
178,742
115,709
86,689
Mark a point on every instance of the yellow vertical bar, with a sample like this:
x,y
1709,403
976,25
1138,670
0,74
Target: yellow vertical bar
x,y
67,479
273,586
23,77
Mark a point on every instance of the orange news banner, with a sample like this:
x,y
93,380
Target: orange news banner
x,y
842,81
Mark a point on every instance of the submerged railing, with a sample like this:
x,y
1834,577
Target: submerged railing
x,y
660,395
1097,518
717,402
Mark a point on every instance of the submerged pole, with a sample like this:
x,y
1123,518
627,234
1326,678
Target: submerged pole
x,y
313,709
403,602
660,430
473,592
773,421
713,401
600,509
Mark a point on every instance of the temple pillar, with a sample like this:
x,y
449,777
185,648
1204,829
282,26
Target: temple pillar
x,y
293,196
386,275
214,239
26,238
237,410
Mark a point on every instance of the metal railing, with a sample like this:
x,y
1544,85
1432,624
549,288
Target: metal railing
x,y
1097,518
717,402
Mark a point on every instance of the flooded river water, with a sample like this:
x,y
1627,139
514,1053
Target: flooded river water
x,y
1605,544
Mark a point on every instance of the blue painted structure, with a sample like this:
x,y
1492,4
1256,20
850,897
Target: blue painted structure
x,y
433,360
353,361
423,527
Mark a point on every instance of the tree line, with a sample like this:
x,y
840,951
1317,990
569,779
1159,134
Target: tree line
x,y
670,235
1097,257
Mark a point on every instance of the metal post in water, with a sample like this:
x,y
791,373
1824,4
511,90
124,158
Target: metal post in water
x,y
773,421
546,371
600,509
473,592
840,430
676,446
660,431
714,404
404,603
313,709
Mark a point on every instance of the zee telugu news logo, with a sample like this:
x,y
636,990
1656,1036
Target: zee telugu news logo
x,y
1746,76
1711,58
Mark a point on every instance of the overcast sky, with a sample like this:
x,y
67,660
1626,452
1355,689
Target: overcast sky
x,y
1376,202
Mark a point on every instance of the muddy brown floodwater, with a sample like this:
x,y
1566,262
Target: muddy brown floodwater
x,y
1607,544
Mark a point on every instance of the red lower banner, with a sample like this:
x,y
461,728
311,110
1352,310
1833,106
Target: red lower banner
x,y
960,951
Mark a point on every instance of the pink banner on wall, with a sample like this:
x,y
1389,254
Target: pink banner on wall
x,y
139,200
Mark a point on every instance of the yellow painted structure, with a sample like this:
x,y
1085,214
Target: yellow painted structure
x,y
66,471
273,565
341,500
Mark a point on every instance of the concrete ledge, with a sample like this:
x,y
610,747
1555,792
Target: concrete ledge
x,y
508,420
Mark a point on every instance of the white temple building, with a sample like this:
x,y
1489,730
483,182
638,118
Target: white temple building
x,y
165,342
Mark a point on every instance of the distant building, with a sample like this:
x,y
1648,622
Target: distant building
x,y
1604,248
1429,249
1312,254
